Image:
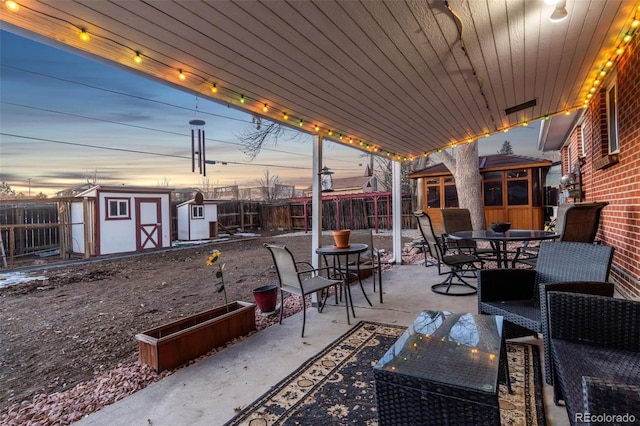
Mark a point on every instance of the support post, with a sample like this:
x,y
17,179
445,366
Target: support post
x,y
396,197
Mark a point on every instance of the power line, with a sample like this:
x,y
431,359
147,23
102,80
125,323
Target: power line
x,y
110,148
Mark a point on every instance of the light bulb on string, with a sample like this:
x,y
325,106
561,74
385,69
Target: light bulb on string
x,y
285,116
214,88
137,58
265,108
317,128
84,35
300,123
12,6
181,75
627,38
241,99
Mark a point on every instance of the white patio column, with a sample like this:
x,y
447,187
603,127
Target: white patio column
x,y
396,211
316,201
316,207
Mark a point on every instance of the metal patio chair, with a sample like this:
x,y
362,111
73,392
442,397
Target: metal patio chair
x,y
290,281
457,262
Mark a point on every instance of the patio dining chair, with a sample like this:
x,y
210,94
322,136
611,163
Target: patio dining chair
x,y
456,262
577,222
290,281
454,220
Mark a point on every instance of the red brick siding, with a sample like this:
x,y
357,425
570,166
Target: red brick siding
x,y
620,183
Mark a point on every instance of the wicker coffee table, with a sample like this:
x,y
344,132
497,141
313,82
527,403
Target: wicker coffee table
x,y
443,370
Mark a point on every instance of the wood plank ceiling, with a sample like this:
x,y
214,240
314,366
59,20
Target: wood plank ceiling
x,y
397,77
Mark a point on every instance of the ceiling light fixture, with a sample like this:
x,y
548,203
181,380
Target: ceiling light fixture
x,y
560,12
12,6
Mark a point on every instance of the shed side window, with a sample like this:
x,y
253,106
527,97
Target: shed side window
x,y
118,208
197,212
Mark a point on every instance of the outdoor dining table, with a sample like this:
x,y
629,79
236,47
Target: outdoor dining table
x,y
499,240
337,253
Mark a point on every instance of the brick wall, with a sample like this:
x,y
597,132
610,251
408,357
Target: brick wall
x,y
620,183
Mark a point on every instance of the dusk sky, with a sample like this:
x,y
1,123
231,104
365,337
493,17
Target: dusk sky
x,y
64,117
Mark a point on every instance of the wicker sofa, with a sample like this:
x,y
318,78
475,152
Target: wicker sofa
x,y
515,294
595,347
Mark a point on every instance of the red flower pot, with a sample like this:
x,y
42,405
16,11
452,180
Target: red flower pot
x,y
266,297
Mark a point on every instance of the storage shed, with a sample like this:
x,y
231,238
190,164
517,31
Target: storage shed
x,y
197,220
120,219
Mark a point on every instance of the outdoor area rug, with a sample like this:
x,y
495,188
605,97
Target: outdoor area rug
x,y
336,386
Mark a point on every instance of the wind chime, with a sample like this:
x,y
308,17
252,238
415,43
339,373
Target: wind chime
x,y
199,150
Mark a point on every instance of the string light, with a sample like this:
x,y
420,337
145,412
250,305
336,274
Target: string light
x,y
138,58
84,35
317,128
12,6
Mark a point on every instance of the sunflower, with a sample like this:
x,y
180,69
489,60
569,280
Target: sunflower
x,y
214,256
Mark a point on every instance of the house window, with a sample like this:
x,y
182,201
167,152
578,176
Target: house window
x,y
450,193
612,117
118,208
197,212
518,187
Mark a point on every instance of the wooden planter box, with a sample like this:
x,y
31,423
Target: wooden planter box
x,y
174,344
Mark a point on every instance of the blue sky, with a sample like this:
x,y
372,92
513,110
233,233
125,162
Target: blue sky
x,y
58,110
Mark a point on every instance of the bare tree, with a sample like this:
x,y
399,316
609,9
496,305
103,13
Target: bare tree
x,y
465,168
165,182
256,135
271,187
93,178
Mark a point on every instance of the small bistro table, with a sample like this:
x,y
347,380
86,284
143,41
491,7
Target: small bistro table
x,y
336,253
443,370
499,240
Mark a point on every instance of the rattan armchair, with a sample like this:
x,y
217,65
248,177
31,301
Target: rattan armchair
x,y
577,222
595,346
519,294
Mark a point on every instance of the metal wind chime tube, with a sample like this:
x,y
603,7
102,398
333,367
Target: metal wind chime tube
x,y
200,152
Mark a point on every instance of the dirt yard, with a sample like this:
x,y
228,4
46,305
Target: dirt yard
x,y
82,320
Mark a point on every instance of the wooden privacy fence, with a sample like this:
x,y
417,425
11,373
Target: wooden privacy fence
x,y
347,211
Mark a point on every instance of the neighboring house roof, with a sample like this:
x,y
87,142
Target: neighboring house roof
x,y
125,188
193,201
487,163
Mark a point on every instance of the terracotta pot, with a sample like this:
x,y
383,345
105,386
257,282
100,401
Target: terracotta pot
x,y
341,238
266,297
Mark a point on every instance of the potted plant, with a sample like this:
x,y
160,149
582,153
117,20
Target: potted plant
x,y
341,238
176,343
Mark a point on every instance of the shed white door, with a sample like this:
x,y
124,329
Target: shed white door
x,y
148,223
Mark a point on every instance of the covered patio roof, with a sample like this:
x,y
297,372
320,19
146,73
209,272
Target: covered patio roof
x,y
397,78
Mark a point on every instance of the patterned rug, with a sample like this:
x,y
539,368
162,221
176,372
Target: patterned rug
x,y
336,385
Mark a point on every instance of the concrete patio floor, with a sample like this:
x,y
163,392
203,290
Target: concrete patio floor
x,y
209,392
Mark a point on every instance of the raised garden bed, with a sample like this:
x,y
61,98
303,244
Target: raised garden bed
x,y
176,343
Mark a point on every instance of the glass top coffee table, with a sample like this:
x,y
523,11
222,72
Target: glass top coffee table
x,y
444,370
